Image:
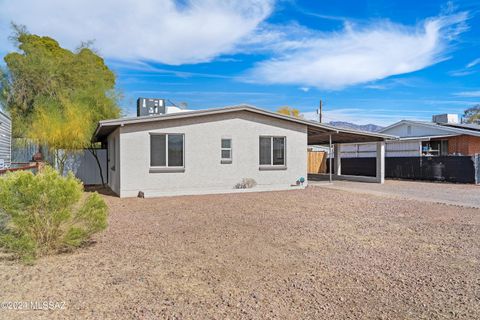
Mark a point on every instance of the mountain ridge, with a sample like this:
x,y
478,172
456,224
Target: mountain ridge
x,y
362,127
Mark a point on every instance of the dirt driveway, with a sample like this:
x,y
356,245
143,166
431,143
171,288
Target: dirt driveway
x,y
308,254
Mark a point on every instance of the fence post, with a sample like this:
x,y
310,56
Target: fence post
x,y
476,163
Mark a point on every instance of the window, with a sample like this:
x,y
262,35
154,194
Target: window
x,y
166,150
435,148
226,151
272,151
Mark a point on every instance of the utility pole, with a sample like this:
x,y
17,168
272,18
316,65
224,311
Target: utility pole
x,y
319,111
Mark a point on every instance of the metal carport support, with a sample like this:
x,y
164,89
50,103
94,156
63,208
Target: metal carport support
x,y
319,133
380,166
330,157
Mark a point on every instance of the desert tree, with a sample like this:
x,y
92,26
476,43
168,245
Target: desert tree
x,y
472,115
289,111
56,96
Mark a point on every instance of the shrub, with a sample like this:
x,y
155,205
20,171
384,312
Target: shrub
x,y
246,183
46,213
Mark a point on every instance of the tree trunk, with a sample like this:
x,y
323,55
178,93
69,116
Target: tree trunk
x,y
93,151
60,161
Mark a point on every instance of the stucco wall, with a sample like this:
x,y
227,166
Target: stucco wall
x,y
204,172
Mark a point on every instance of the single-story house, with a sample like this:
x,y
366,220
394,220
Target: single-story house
x,y
5,140
213,150
442,137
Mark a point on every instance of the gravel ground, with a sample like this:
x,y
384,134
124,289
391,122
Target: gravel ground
x,y
306,254
440,192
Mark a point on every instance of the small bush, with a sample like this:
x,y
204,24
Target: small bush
x,y
246,183
46,213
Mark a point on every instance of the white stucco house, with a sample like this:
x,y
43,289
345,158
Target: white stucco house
x,y
210,151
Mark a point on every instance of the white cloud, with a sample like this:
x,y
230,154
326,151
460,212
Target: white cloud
x,y
157,30
473,63
360,54
304,89
461,73
376,86
468,94
468,70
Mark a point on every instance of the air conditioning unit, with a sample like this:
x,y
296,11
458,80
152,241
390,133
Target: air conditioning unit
x,y
445,118
150,107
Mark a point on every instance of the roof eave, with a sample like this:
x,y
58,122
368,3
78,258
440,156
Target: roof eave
x,y
244,107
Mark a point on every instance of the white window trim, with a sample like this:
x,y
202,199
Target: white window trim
x,y
166,167
222,159
272,166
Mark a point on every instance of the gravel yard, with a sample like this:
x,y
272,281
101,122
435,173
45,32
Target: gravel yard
x,y
467,195
306,254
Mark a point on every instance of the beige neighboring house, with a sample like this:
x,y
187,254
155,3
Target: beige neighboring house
x,y
211,151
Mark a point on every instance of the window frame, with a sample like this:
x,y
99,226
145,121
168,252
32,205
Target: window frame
x,y
222,159
444,147
272,166
166,167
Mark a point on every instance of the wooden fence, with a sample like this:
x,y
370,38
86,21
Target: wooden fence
x,y
317,162
18,166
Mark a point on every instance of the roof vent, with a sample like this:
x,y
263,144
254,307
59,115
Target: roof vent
x,y
445,118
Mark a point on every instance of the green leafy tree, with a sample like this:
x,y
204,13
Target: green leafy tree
x,y
55,96
289,111
46,213
472,115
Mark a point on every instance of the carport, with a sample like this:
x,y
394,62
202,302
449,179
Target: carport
x,y
322,134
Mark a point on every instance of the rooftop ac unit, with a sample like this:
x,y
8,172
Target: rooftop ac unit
x,y
150,107
445,118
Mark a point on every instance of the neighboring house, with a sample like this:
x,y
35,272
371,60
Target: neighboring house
x,y
441,137
211,151
5,140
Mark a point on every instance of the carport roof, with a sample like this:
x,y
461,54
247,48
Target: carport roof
x,y
318,133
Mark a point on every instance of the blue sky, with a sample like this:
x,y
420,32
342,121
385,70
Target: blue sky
x,y
369,61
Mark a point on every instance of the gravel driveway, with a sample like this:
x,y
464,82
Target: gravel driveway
x,y
306,254
467,195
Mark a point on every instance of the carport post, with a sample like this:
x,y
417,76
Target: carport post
x,y
330,157
337,159
380,162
